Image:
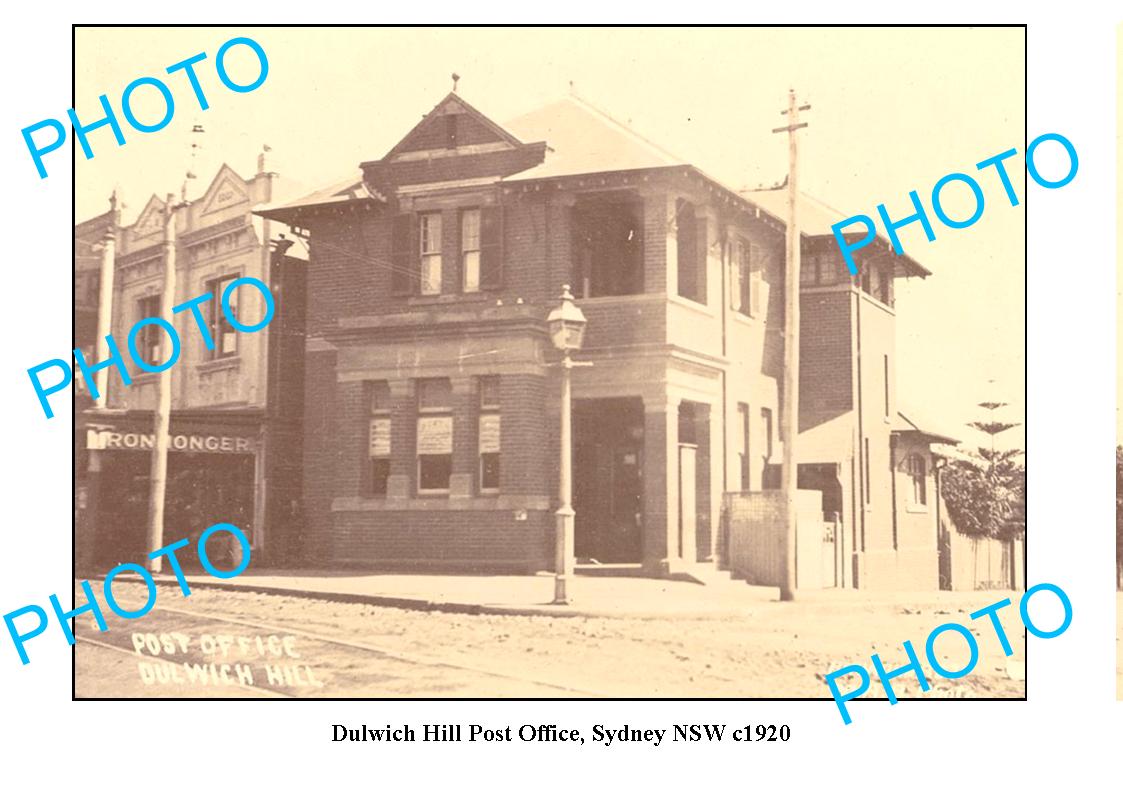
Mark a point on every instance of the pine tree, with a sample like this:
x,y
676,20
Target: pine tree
x,y
987,497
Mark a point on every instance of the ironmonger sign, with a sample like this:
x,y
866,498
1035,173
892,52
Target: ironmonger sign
x,y
108,439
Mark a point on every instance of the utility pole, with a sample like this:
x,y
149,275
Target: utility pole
x,y
105,301
789,409
158,471
158,479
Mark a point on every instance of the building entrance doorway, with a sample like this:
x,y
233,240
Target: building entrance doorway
x,y
608,480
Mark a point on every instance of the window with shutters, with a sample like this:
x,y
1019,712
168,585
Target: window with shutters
x,y
430,233
470,250
489,434
223,333
434,436
379,438
690,238
491,248
404,255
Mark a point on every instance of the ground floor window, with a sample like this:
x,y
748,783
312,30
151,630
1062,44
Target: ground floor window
x,y
489,433
918,470
434,435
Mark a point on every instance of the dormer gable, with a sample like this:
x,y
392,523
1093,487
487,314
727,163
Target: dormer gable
x,y
452,144
452,124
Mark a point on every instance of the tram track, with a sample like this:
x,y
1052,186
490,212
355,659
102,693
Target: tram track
x,y
421,665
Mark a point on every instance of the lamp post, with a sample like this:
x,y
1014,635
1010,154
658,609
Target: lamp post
x,y
567,324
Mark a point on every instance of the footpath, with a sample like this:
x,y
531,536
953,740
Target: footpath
x,y
529,595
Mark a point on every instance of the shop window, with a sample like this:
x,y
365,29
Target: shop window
x,y
225,336
470,250
430,226
741,272
608,246
434,436
746,467
690,238
918,470
379,442
489,433
149,337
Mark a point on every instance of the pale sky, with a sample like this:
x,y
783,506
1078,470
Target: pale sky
x,y
893,110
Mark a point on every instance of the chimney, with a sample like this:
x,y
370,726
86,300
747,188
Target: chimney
x,y
261,160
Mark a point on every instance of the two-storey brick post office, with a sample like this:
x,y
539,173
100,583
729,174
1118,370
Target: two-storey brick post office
x,y
236,408
432,392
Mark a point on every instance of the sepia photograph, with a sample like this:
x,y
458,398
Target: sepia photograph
x,y
528,363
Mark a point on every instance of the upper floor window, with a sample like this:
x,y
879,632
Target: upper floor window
x,y
149,337
809,269
886,294
416,245
741,270
225,336
885,382
607,246
430,226
826,272
691,246
470,250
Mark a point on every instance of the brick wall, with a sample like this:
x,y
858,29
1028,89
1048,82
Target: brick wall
x,y
320,453
460,539
825,361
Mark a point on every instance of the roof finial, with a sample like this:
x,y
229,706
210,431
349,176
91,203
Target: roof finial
x,y
455,80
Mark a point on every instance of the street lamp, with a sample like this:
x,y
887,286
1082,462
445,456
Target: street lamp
x,y
567,330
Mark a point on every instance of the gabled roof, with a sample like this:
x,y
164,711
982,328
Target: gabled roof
x,y
452,103
904,425
816,218
583,139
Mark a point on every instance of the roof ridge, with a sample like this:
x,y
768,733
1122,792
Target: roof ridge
x,y
582,102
